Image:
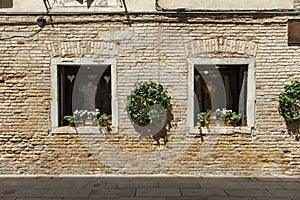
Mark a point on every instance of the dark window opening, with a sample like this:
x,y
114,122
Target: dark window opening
x,y
6,3
84,88
219,87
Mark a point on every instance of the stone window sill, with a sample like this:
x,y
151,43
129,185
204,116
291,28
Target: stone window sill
x,y
222,130
63,130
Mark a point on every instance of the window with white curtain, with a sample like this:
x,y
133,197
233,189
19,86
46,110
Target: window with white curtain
x,y
221,83
220,87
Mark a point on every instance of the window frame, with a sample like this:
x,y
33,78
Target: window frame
x,y
251,88
56,62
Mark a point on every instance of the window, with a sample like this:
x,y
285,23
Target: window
x,y
84,3
83,84
220,86
84,88
6,3
227,83
293,32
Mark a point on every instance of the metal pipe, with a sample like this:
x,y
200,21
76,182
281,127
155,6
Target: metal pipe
x,y
163,12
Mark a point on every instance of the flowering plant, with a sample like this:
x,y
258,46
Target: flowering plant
x,y
82,115
229,116
233,117
222,113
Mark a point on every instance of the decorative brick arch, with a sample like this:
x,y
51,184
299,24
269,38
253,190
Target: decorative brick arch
x,y
82,48
220,45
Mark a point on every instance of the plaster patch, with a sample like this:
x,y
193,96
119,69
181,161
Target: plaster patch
x,y
116,36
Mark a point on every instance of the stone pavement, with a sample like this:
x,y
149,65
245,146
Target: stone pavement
x,y
148,188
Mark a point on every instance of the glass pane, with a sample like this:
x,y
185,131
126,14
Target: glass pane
x,y
220,87
84,88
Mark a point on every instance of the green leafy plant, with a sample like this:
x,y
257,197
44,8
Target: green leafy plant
x,y
289,102
232,117
142,99
104,120
70,119
203,118
80,116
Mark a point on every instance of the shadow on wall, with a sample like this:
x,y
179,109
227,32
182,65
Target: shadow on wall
x,y
294,128
6,3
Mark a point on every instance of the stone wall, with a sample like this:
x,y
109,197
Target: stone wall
x,y
150,47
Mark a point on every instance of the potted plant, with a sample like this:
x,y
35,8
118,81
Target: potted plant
x,y
232,118
70,119
104,122
82,118
75,119
91,119
203,118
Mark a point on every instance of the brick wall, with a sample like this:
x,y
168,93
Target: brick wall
x,y
154,48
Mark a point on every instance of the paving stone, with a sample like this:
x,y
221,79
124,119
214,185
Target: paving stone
x,y
13,198
112,192
247,192
67,193
23,193
179,183
259,185
267,179
39,198
154,192
295,194
139,198
186,198
99,184
138,184
289,179
203,192
290,185
86,198
231,198
220,184
274,198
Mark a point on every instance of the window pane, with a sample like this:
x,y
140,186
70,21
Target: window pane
x,y
218,87
84,88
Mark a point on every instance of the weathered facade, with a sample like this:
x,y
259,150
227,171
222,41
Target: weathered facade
x,y
145,41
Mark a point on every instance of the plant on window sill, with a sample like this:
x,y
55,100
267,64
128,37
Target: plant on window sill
x,y
232,118
204,118
89,118
104,122
82,117
228,117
